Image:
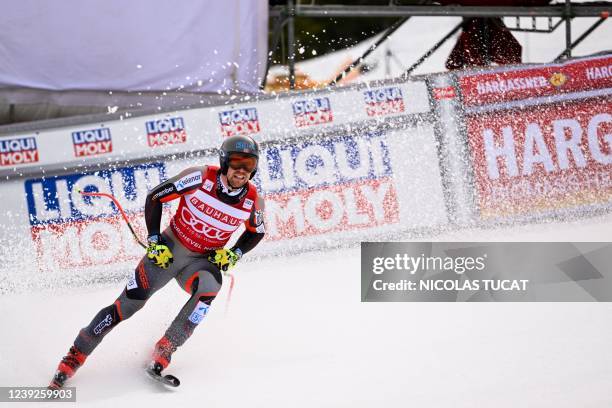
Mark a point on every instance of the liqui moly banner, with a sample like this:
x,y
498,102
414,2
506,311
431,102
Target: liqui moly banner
x,y
544,158
92,142
384,101
167,131
16,151
241,121
343,186
310,112
318,192
513,84
182,132
337,184
71,230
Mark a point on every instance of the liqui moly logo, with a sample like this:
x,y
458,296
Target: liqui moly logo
x,y
168,131
239,122
383,101
55,200
311,112
18,151
330,185
92,142
71,230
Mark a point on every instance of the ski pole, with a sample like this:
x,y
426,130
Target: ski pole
x,y
127,221
120,208
229,294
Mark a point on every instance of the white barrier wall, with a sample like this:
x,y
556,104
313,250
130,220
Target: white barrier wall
x,y
197,129
331,170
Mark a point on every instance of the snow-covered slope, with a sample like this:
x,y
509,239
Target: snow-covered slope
x,y
297,335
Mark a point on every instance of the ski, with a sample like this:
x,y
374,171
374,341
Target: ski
x,y
166,379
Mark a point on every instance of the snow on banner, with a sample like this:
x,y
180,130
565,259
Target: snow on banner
x,y
310,112
556,154
311,188
167,131
543,158
71,230
92,142
384,101
333,184
507,85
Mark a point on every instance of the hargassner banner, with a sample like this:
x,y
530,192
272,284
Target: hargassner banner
x,y
540,137
486,272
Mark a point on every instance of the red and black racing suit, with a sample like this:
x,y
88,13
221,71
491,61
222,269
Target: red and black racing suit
x,y
207,216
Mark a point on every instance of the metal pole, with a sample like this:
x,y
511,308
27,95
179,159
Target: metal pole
x,y
433,49
387,63
398,62
279,24
291,42
582,37
551,27
383,38
331,11
568,28
486,39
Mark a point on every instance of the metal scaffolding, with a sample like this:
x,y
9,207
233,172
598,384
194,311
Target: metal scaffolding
x,y
285,15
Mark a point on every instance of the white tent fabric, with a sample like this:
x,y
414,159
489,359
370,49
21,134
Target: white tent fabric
x,y
136,45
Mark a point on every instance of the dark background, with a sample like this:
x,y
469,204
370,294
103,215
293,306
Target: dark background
x,y
326,35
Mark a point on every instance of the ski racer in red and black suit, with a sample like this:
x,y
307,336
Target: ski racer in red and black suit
x,y
214,202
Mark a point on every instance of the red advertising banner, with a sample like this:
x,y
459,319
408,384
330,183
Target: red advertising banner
x,y
542,158
576,76
447,92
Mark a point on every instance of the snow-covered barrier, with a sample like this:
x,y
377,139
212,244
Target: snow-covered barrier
x,y
336,167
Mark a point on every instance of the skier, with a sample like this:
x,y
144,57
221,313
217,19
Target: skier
x,y
214,201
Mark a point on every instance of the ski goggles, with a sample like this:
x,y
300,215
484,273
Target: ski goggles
x,y
242,161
